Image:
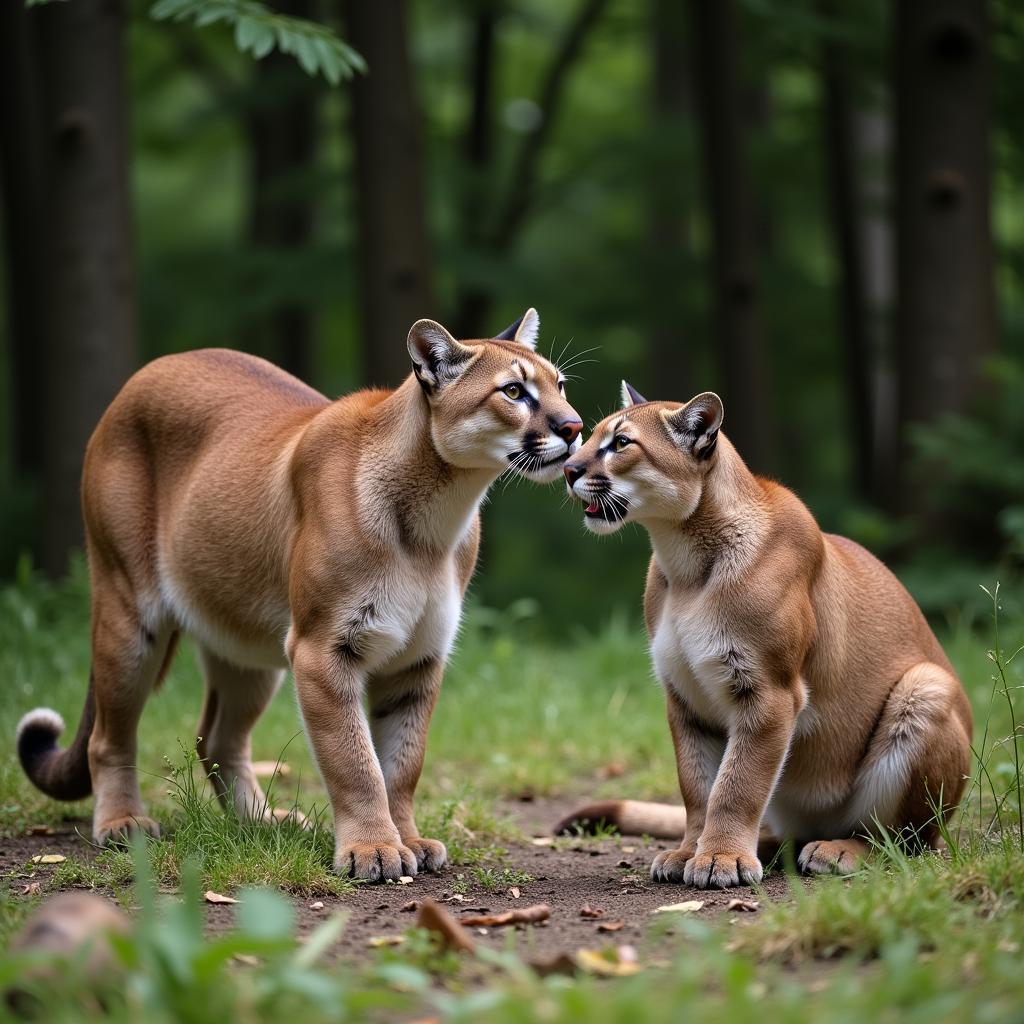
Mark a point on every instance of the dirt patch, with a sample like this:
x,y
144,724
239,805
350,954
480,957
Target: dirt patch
x,y
610,876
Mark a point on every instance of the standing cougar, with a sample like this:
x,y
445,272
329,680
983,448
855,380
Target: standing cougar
x,y
804,687
226,499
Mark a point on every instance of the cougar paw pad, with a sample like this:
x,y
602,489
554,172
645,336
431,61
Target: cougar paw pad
x,y
118,831
375,862
670,865
431,855
831,857
722,870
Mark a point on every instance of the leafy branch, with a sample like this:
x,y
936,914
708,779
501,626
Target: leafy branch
x,y
258,30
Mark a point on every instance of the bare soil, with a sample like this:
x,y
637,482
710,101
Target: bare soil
x,y
610,876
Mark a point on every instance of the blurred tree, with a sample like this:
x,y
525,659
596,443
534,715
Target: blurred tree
x,y
500,227
90,286
844,201
396,272
669,241
946,322
282,138
478,148
739,331
21,193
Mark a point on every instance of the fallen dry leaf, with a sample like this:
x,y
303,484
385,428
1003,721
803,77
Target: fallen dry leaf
x,y
376,941
561,964
456,898
32,889
687,907
514,892
528,915
609,964
746,906
405,880
410,907
542,840
437,920
590,912
246,958
610,926
264,769
612,770
319,905
49,858
629,849
39,830
215,897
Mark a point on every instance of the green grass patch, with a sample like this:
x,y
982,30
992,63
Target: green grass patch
x,y
932,938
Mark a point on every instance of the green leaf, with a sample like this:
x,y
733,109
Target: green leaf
x,y
307,55
265,914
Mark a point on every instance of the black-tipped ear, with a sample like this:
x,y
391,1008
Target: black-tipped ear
x,y
630,395
695,425
509,334
524,331
437,358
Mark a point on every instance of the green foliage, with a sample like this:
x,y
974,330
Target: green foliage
x,y
974,467
258,30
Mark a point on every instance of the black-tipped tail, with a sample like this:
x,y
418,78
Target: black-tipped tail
x,y
630,817
61,774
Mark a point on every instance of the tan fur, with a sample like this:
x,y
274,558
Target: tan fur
x,y
226,499
804,688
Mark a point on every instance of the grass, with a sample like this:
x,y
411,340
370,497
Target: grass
x,y
929,938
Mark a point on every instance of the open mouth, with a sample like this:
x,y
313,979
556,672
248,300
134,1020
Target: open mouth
x,y
609,509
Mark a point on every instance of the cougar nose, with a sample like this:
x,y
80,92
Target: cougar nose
x,y
572,472
567,430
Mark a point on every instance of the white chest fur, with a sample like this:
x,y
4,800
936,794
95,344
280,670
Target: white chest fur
x,y
694,655
401,617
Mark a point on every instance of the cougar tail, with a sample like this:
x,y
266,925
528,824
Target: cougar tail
x,y
61,774
630,817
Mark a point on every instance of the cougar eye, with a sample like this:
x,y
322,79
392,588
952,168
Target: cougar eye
x,y
620,441
561,386
514,391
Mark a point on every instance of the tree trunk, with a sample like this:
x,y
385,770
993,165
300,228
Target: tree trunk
x,y
844,201
479,146
21,193
873,147
90,284
739,333
282,150
394,250
669,358
500,230
946,321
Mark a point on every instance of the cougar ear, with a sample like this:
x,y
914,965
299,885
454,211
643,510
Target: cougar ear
x,y
630,395
437,358
524,331
695,425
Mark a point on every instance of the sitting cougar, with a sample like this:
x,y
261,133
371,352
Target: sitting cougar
x,y
805,690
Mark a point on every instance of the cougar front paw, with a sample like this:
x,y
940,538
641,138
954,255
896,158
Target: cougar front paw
x,y
722,870
375,862
117,831
670,865
835,856
431,855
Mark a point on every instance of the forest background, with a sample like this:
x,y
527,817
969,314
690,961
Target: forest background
x,y
814,208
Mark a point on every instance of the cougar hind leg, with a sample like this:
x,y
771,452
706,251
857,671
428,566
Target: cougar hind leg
x,y
129,656
913,774
235,699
